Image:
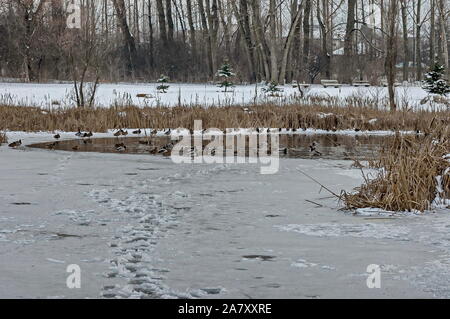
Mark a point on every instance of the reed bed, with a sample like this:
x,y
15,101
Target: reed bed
x,y
412,172
297,116
3,138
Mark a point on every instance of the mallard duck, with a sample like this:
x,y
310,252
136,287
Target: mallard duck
x,y
121,147
313,150
118,133
57,136
312,146
137,132
284,151
52,145
15,144
147,142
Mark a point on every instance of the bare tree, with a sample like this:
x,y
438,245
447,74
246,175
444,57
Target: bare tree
x,y
391,50
129,42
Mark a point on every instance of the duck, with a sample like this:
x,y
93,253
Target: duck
x,y
168,132
313,149
75,148
154,132
88,135
167,153
15,144
147,142
57,136
121,147
124,133
52,145
137,132
118,133
79,134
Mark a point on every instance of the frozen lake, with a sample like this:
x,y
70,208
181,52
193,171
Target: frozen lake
x,y
140,226
55,95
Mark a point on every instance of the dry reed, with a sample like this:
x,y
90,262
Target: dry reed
x,y
406,176
3,138
287,116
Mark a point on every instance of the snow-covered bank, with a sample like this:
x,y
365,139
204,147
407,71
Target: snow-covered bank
x,y
56,95
141,226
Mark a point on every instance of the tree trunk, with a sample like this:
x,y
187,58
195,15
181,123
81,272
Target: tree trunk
x,y
273,42
443,35
170,25
162,22
418,43
405,41
129,43
432,33
192,29
288,45
261,44
391,51
348,42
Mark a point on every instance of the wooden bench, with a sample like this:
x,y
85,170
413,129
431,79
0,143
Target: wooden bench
x,y
295,84
385,83
330,83
361,83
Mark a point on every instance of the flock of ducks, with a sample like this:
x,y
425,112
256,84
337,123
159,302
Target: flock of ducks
x,y
165,150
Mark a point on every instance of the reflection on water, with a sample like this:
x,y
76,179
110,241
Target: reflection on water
x,y
324,146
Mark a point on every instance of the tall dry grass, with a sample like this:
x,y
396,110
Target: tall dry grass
x,y
287,116
3,138
407,171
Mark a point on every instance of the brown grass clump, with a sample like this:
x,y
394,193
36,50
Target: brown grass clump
x,y
408,168
266,115
3,138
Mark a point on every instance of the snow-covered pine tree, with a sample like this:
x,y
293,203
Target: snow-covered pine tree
x,y
435,83
225,73
163,87
272,89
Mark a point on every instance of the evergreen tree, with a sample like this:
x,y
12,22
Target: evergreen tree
x,y
434,81
225,73
163,87
272,89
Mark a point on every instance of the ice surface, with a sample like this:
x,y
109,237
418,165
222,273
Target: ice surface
x,y
171,231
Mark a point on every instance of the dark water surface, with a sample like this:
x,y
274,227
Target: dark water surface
x,y
327,146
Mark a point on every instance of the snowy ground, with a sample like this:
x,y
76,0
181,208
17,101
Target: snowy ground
x,y
56,95
141,226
